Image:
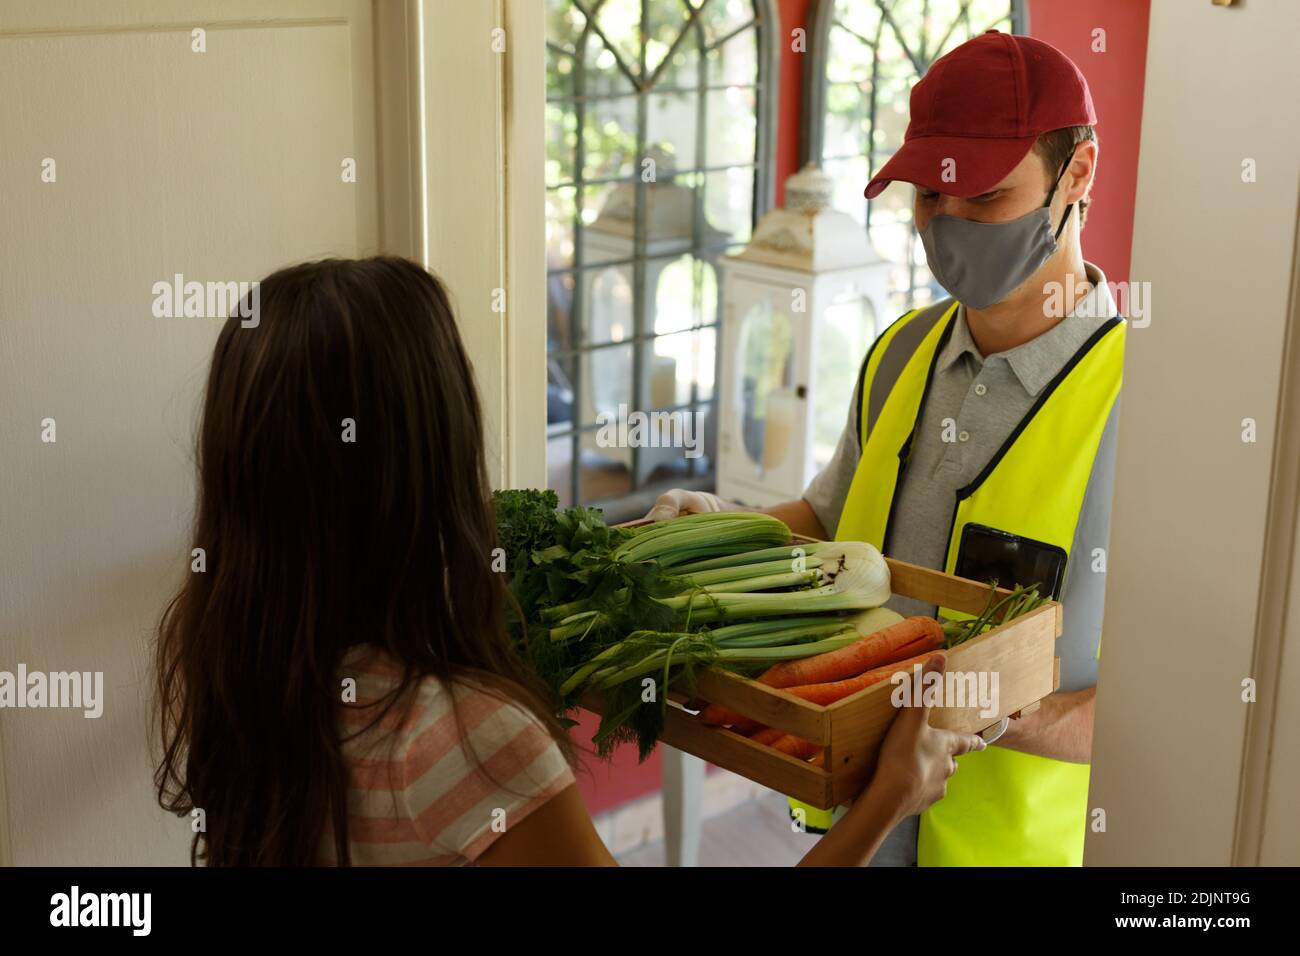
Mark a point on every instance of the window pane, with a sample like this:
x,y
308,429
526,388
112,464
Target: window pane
x,y
559,467
561,142
680,359
671,126
665,22
559,291
891,120
559,74
602,75
620,22
894,204
607,382
732,126
607,305
563,23
608,219
848,59
560,212
846,123
844,336
685,294
683,439
609,138
606,236
735,63
721,17
850,179
863,18
605,472
729,202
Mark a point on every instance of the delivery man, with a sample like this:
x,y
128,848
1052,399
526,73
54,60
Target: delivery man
x,y
981,437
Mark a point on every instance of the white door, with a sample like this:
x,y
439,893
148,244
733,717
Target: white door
x,y
133,149
1195,751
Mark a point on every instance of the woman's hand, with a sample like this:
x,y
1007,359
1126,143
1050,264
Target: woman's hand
x,y
915,763
916,759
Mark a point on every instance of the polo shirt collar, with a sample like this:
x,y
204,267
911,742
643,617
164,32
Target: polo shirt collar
x,y
1037,362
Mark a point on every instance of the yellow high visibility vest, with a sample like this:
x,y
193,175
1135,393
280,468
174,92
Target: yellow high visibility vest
x,y
1003,808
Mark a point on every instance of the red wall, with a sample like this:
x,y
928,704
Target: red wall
x,y
794,13
607,784
1116,79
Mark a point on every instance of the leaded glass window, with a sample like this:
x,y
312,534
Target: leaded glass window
x,y
658,162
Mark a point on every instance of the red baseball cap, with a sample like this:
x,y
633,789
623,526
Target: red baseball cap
x,y
980,108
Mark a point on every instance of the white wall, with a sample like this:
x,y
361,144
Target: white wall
x,y
222,166
1192,500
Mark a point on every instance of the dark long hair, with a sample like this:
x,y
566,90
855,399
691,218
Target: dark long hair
x,y
342,500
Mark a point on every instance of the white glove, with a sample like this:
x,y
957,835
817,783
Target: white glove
x,y
679,501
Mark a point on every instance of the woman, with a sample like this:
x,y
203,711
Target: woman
x,y
337,685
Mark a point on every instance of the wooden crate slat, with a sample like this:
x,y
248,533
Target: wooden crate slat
x,y
1020,652
935,587
738,754
772,707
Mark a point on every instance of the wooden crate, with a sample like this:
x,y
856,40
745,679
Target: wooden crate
x,y
1021,652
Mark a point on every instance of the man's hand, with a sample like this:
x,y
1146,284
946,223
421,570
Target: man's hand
x,y
679,501
798,515
1061,728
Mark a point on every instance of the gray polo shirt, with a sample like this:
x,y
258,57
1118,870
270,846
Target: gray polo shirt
x,y
974,403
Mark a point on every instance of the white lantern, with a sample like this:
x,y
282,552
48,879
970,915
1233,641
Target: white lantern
x,y
802,304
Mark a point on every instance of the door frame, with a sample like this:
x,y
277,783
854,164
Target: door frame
x,y
1269,744
447,102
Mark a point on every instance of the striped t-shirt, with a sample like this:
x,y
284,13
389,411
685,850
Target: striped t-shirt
x,y
416,798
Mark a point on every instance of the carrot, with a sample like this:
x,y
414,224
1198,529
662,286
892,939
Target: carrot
x,y
788,743
930,642
715,715
796,747
897,642
829,692
872,651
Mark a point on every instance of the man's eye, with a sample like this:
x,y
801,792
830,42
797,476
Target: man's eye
x,y
926,197
987,197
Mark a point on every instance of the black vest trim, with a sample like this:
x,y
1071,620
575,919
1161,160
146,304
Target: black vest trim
x,y
1075,359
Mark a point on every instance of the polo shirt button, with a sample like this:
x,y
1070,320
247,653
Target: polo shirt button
x,y
981,388
963,436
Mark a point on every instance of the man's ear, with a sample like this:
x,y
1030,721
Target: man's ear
x,y
1082,170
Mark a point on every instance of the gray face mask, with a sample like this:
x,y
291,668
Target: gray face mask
x,y
979,263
